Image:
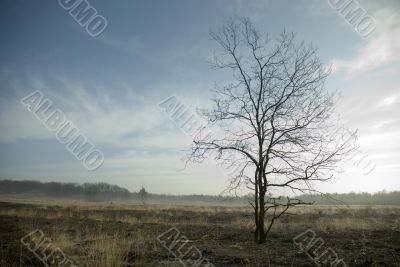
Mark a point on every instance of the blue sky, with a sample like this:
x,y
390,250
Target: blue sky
x,y
109,86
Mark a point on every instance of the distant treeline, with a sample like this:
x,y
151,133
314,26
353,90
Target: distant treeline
x,y
102,192
87,191
107,192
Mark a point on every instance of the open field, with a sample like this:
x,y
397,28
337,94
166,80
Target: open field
x,y
105,234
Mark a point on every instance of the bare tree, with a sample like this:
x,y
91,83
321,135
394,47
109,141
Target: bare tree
x,y
276,118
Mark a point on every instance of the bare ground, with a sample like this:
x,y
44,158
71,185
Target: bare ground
x,y
126,235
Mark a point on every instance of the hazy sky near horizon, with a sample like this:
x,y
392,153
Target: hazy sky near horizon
x,y
109,86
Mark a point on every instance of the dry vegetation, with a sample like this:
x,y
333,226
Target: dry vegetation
x,y
94,234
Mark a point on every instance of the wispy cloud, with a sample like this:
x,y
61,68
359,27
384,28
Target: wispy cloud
x,y
380,50
388,101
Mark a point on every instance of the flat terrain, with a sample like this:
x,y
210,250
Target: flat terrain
x,y
106,234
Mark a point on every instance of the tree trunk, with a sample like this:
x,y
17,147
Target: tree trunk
x,y
261,214
259,234
256,209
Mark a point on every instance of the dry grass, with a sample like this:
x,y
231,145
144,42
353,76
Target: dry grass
x,y
317,217
90,232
